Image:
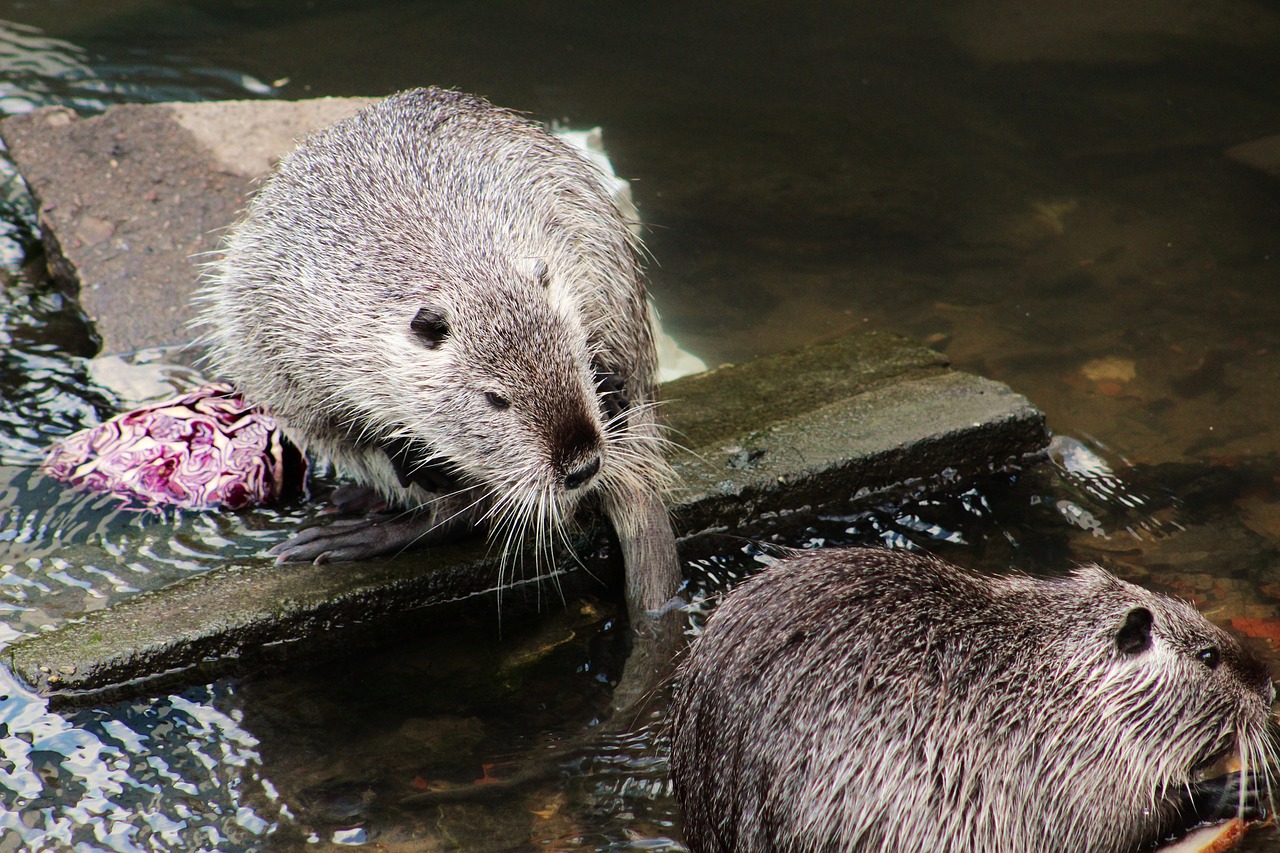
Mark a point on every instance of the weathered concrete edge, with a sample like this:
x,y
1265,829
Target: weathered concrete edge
x,y
911,429
917,425
209,622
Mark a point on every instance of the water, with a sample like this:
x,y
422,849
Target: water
x,y
1039,192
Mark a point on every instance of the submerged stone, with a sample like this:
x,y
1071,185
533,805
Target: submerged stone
x,y
1260,154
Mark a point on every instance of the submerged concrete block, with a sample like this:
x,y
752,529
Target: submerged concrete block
x,y
809,427
1260,154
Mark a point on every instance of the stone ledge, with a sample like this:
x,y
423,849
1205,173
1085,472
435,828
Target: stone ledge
x,y
808,427
128,200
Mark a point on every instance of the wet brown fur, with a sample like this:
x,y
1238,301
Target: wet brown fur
x,y
878,700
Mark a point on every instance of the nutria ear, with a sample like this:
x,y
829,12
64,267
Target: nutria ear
x,y
1134,636
430,326
543,274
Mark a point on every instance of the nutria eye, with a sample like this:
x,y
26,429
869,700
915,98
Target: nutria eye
x,y
430,325
497,400
1209,656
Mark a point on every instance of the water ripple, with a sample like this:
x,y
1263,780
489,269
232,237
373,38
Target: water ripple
x,y
41,71
176,773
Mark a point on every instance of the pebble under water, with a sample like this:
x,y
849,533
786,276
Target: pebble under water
x,y
1048,212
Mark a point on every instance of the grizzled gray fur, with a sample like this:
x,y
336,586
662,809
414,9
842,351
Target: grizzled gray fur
x,y
440,297
878,700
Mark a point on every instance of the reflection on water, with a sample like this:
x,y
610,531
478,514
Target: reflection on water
x,y
98,781
42,71
1039,192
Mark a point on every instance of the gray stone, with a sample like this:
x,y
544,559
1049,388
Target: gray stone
x,y
803,428
128,200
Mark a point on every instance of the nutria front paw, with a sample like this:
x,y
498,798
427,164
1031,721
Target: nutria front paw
x,y
354,499
1232,795
374,535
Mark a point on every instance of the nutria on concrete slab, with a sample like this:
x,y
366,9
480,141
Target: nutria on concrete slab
x,y
441,297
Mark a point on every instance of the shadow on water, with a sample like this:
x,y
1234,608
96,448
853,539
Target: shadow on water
x,y
1040,192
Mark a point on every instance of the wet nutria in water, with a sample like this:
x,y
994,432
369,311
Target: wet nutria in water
x,y
440,297
877,700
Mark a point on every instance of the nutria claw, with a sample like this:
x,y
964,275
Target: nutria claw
x,y
373,535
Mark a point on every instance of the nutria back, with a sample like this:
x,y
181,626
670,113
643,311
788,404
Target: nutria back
x,y
879,700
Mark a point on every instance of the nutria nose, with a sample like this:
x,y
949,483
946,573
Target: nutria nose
x,y
578,476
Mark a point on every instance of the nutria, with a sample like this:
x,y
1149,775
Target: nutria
x,y
879,700
440,297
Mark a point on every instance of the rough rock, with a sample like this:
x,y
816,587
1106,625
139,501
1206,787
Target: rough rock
x,y
128,200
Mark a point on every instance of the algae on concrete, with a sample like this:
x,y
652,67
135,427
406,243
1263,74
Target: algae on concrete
x,y
719,404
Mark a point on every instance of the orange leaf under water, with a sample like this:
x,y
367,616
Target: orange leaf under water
x,y
1262,629
488,777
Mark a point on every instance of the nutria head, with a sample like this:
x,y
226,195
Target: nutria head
x,y
499,383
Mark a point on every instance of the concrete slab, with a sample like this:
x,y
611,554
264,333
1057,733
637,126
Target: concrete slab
x,y
804,428
128,199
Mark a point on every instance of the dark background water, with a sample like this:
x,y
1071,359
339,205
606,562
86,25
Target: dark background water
x,y
1039,190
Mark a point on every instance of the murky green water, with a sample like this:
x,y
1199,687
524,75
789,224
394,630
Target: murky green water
x,y
1040,192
